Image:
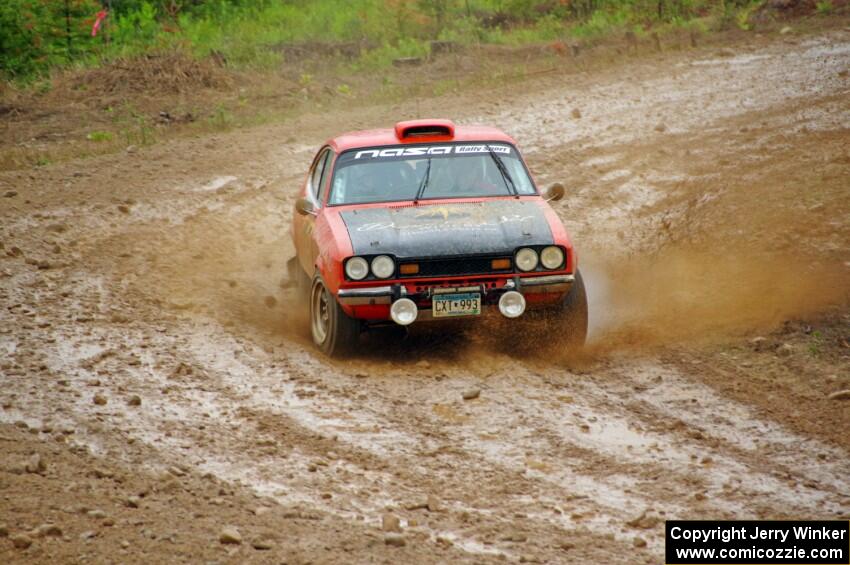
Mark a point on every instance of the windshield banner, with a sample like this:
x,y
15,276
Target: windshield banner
x,y
424,151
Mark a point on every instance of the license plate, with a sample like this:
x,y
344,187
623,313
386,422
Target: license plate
x,y
465,304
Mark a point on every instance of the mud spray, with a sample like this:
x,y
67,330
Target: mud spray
x,y
231,266
236,273
683,294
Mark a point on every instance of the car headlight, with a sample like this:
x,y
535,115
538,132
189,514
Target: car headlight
x,y
383,266
526,259
552,257
357,268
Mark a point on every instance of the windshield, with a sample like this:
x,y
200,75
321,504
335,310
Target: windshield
x,y
445,170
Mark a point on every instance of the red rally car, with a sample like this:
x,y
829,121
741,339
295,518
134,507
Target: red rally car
x,y
429,221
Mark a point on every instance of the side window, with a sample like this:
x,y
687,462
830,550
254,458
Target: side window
x,y
316,175
325,174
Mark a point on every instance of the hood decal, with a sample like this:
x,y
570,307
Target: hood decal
x,y
497,226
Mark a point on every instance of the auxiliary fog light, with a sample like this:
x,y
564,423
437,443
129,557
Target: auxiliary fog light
x,y
404,311
512,304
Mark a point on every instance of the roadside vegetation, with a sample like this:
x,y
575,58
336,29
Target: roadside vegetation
x,y
39,35
80,78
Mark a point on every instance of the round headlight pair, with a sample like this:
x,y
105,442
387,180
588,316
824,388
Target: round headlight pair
x,y
552,257
527,259
357,268
383,266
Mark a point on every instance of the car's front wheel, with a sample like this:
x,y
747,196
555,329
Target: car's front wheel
x,y
573,313
334,332
568,319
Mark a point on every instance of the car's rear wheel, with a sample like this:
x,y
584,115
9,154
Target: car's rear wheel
x,y
334,332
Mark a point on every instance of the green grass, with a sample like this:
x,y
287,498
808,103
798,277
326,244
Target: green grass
x,y
824,7
99,136
135,129
251,34
221,118
383,56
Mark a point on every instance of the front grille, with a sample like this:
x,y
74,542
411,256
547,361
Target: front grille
x,y
449,267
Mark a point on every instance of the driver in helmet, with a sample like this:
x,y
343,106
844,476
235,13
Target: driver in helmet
x,y
467,177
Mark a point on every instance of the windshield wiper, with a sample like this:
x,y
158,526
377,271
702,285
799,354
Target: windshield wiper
x,y
503,169
424,182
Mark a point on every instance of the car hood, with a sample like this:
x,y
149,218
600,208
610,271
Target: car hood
x,y
416,231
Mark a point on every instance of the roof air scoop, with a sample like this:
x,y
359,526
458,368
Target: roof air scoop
x,y
419,130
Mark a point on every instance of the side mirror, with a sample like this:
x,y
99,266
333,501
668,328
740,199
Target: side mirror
x,y
303,206
555,192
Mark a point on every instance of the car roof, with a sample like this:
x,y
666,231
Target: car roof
x,y
395,136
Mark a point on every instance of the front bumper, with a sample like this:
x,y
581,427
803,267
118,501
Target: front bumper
x,y
422,292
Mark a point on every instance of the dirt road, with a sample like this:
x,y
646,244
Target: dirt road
x,y
155,363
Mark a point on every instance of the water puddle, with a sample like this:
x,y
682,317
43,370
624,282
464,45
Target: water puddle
x,y
217,183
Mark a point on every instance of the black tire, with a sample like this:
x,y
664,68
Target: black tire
x,y
568,319
333,331
573,313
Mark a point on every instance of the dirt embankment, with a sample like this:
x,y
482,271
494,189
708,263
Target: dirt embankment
x,y
149,351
